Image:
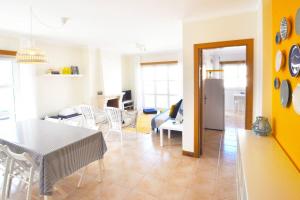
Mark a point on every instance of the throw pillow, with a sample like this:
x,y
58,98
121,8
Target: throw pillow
x,y
172,109
177,106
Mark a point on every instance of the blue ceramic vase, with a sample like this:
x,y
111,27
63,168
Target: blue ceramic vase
x,y
262,126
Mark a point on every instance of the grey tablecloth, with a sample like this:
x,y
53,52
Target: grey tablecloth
x,y
58,150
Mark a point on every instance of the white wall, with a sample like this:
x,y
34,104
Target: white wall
x,y
128,75
43,95
56,93
111,67
159,56
241,26
93,76
40,95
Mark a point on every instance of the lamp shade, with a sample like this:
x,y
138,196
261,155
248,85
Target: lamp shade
x,y
31,56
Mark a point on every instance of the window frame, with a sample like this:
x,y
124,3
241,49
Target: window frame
x,y
12,86
238,65
155,83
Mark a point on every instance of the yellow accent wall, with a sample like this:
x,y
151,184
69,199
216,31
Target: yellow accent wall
x,y
267,58
286,123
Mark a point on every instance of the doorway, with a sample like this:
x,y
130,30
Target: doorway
x,y
223,87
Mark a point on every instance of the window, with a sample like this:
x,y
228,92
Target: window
x,y
160,85
235,75
7,96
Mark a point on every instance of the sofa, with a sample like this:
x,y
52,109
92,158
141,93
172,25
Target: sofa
x,y
160,119
165,116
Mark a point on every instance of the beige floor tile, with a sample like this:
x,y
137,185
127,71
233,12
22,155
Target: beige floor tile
x,y
129,179
137,195
192,194
141,170
151,185
180,179
110,192
172,191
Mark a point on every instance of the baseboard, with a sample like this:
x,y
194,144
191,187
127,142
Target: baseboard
x,y
188,153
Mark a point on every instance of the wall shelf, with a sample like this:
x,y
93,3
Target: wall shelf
x,y
64,75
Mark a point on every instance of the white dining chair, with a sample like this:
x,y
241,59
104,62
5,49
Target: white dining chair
x,y
4,167
88,115
115,121
91,122
130,120
94,120
101,171
23,167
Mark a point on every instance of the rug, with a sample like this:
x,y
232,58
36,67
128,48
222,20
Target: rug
x,y
143,124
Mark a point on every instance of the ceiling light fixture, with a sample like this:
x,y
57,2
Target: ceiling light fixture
x,y
140,47
31,55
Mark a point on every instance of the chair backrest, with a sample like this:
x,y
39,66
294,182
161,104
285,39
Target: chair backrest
x,y
115,118
130,118
88,115
3,155
24,160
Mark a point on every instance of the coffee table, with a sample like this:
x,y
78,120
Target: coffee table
x,y
170,125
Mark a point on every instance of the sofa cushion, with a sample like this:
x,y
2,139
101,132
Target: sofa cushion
x,y
177,106
179,116
172,109
159,119
149,111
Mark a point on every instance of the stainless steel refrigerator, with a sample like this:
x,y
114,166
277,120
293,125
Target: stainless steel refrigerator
x,y
214,104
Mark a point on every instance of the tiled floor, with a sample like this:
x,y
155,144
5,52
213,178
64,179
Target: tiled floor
x,y
142,170
235,119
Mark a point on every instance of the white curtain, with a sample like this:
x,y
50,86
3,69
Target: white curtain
x,y
25,91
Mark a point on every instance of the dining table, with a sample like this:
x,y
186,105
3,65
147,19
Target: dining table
x,y
58,149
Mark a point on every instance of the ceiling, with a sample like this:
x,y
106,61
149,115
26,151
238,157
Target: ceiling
x,y
114,24
234,51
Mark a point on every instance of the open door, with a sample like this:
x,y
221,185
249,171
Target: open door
x,y
199,88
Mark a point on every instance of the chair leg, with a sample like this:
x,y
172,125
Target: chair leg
x,y
121,134
107,134
101,167
5,178
81,177
29,190
8,187
9,180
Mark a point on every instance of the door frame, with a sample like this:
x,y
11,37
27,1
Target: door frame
x,y
198,90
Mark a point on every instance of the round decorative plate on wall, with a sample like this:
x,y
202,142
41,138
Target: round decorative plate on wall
x,y
276,83
278,38
279,60
285,93
296,99
294,60
297,22
285,28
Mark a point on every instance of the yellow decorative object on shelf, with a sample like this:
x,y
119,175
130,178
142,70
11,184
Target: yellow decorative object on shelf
x,y
66,70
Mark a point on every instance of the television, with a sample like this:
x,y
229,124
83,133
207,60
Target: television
x,y
127,95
